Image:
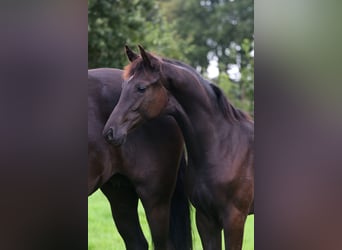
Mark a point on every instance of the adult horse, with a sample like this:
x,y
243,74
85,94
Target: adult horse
x,y
145,167
219,140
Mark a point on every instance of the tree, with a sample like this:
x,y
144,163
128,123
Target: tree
x,y
219,30
114,23
192,31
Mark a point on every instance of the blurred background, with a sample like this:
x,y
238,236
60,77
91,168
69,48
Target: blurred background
x,y
214,36
298,79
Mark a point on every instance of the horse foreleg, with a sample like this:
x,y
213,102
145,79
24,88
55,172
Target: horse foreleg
x,y
209,231
234,228
158,217
124,201
235,215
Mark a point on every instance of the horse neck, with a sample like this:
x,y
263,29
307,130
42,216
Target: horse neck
x,y
183,121
201,138
187,89
201,122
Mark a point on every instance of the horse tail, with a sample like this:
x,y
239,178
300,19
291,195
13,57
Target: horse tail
x,y
180,224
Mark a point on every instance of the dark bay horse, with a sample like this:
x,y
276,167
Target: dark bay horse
x,y
219,139
146,167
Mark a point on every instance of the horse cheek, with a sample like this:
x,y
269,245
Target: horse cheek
x,y
157,105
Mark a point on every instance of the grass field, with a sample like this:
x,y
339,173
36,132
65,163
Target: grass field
x,y
102,233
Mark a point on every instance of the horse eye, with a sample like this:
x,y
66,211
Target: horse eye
x,y
141,89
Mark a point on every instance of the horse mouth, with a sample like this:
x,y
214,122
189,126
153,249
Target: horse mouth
x,y
118,141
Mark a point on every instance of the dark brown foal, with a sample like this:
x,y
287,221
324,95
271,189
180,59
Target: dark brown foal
x,y
219,140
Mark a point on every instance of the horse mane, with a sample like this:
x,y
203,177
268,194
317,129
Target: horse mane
x,y
227,109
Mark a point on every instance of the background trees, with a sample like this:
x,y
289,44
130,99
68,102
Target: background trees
x,y
199,32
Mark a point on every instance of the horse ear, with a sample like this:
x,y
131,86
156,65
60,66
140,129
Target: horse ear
x,y
145,56
130,54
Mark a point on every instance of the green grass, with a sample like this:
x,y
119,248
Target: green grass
x,y
103,235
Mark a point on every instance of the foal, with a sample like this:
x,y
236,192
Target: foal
x,y
219,139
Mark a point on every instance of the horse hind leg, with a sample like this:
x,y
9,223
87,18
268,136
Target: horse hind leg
x,y
209,231
124,202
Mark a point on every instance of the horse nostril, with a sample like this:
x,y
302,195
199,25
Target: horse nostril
x,y
109,135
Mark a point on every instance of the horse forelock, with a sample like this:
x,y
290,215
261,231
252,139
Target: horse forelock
x,y
131,68
137,65
127,71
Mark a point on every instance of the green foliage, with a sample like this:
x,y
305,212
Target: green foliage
x,y
219,30
192,31
114,23
247,75
214,26
241,93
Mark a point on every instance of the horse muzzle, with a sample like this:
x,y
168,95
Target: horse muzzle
x,y
114,138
